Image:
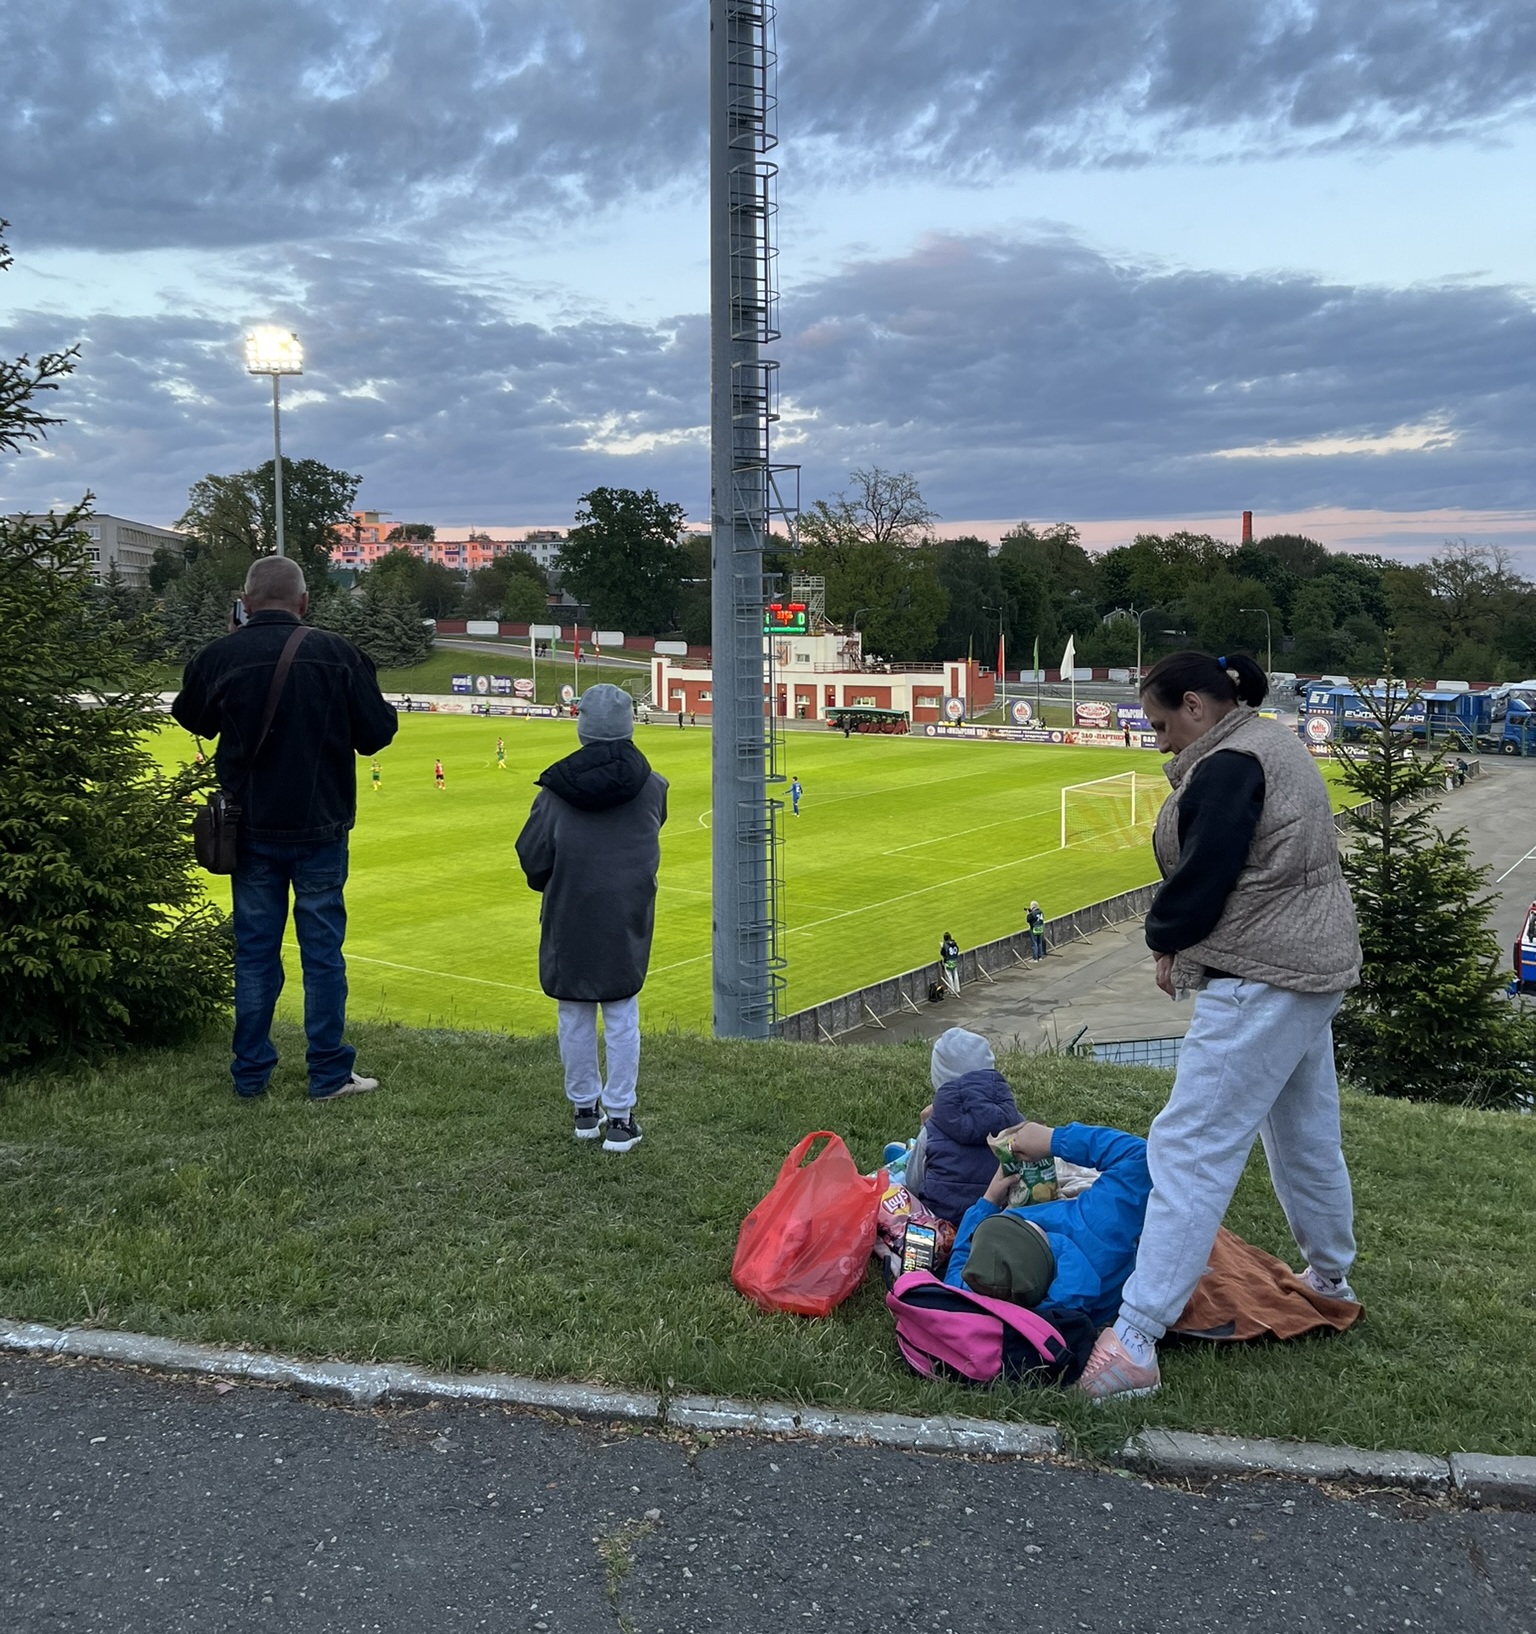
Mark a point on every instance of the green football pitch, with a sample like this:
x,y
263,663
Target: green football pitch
x,y
898,841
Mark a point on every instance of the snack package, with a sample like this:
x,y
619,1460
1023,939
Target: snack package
x,y
1036,1177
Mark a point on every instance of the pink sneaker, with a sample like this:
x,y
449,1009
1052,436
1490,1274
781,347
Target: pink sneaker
x,y
1112,1371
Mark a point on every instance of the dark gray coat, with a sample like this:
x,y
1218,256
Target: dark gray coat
x,y
592,845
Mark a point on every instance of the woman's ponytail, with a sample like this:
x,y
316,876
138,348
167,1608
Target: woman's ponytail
x,y
1236,679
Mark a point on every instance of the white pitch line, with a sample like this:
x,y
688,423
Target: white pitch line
x,y
1514,865
941,839
442,975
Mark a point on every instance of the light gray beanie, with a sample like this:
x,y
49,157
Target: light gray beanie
x,y
605,714
958,1052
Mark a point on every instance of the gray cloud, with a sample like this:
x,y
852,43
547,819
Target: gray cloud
x,y
1042,379
216,122
1017,378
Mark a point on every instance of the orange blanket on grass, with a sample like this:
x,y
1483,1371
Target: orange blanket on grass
x,y
1248,1294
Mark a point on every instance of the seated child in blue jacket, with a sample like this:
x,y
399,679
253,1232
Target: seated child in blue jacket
x,y
971,1100
1076,1252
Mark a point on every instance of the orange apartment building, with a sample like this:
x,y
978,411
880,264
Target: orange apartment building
x,y
361,542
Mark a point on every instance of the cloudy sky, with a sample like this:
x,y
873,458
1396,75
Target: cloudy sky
x,y
1113,262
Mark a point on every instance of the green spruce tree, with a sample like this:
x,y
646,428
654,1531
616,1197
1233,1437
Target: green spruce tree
x,y
1428,1020
106,937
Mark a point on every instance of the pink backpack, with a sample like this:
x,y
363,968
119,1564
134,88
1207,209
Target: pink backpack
x,y
952,1333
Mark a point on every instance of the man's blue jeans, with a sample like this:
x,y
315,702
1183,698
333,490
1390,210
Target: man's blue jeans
x,y
261,883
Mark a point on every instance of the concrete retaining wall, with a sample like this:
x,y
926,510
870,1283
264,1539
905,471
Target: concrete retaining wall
x,y
823,1023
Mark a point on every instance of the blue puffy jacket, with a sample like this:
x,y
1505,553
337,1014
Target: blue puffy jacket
x,y
1094,1235
959,1162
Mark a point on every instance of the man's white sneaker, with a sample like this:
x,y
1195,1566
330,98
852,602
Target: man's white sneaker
x,y
355,1085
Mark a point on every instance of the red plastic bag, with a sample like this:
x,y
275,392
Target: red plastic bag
x,y
805,1246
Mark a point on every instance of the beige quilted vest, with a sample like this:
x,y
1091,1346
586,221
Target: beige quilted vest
x,y
1289,920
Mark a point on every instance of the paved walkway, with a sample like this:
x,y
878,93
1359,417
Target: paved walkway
x,y
1101,989
130,1503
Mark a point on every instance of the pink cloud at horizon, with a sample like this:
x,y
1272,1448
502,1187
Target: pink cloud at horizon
x,y
1410,536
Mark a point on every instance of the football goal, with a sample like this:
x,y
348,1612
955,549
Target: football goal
x,y
1111,812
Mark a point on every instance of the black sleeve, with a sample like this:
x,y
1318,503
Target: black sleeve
x,y
1218,813
190,707
374,722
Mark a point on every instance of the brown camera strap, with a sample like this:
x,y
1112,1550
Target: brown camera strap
x,y
275,691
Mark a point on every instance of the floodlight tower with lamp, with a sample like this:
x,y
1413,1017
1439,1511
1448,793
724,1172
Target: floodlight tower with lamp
x,y
274,351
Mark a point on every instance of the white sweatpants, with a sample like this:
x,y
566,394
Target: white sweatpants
x,y
1258,1060
584,1084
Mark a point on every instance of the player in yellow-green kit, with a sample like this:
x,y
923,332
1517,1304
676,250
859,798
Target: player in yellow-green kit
x,y
374,776
501,755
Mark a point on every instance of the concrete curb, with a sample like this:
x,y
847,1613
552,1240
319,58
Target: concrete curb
x,y
1176,1453
368,1384
1171,1454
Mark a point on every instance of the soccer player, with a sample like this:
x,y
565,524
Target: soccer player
x,y
437,775
501,754
795,791
374,775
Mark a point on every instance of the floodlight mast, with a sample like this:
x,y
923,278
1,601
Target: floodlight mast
x,y
746,489
274,351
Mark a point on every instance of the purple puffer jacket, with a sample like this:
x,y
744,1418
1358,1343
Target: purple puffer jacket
x,y
960,1164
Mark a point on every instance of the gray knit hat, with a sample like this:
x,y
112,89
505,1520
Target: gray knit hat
x,y
605,714
956,1053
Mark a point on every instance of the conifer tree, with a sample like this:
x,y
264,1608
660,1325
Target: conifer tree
x,y
106,937
1428,1020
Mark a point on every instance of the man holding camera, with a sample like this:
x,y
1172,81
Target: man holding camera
x,y
292,708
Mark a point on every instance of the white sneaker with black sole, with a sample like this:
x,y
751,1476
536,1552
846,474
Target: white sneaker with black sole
x,y
622,1134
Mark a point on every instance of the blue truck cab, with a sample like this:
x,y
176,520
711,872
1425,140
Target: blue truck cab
x,y
1512,727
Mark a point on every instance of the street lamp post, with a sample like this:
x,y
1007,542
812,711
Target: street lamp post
x,y
274,351
1269,638
1002,679
1139,617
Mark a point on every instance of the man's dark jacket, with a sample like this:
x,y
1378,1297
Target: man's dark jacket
x,y
592,845
302,788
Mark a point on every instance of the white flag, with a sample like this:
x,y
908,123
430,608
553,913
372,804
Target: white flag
x,y
1068,660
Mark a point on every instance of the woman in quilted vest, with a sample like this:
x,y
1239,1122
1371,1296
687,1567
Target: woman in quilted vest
x,y
1254,917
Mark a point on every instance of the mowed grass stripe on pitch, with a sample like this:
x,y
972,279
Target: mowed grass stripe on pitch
x,y
898,841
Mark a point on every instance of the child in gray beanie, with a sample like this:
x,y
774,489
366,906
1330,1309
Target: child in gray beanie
x,y
971,1100
592,846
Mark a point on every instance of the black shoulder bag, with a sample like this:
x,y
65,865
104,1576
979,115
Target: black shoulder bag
x,y
216,826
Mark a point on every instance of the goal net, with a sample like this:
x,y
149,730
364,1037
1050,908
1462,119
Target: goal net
x,y
1111,812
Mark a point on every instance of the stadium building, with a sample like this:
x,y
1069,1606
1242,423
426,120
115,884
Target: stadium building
x,y
821,675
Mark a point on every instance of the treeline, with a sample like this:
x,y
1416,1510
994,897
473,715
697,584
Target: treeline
x,y
1464,613
629,561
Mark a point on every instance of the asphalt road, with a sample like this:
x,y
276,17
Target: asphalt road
x,y
132,1503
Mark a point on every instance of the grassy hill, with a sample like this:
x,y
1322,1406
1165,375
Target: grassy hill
x,y
452,1221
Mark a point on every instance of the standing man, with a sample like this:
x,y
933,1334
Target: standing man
x,y
501,755
949,958
592,845
437,775
297,792
1036,921
374,776
795,791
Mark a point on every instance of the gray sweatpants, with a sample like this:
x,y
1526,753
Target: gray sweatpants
x,y
1258,1060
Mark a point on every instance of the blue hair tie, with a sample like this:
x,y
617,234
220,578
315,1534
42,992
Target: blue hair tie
x,y
1222,662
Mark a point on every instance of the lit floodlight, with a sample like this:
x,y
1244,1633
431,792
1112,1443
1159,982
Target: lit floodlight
x,y
270,350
